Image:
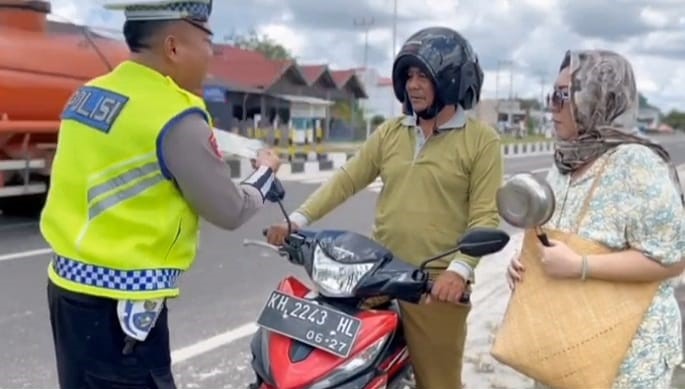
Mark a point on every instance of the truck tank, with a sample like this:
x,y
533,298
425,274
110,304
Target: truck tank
x,y
41,64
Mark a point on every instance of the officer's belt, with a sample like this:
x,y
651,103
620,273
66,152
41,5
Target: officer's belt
x,y
141,280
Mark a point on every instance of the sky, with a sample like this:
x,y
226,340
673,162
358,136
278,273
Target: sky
x,y
526,39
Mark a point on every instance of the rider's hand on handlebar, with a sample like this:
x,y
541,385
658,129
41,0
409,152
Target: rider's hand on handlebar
x,y
277,233
447,288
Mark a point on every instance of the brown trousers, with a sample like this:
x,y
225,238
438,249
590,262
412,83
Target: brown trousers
x,y
435,334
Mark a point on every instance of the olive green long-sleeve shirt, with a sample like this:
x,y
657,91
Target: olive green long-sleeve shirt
x,y
433,190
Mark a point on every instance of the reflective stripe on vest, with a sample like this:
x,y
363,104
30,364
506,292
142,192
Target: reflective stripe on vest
x,y
113,279
148,175
122,229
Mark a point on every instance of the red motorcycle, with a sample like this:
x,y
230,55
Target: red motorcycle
x,y
326,338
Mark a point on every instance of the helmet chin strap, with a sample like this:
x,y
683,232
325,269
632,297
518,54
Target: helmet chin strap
x,y
430,112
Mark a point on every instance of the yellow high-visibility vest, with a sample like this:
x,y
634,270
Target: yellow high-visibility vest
x,y
119,226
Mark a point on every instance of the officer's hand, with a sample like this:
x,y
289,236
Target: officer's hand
x,y
277,233
269,158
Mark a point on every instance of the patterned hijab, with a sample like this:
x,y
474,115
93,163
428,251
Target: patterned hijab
x,y
604,103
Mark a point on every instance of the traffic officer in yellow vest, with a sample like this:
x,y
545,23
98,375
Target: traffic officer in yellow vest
x,y
136,166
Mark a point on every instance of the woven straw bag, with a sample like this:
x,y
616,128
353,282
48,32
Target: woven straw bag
x,y
569,334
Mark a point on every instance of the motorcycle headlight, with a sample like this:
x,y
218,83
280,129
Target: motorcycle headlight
x,y
336,279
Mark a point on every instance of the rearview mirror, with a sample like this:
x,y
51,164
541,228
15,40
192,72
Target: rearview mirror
x,y
480,241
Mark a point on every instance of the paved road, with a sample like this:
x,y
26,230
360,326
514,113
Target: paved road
x,y
221,295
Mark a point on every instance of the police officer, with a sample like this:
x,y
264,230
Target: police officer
x,y
135,168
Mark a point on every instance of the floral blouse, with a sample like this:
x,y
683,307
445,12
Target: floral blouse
x,y
636,205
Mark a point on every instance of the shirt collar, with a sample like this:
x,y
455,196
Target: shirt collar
x,y
458,120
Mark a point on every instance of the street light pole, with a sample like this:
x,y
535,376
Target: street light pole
x,y
366,25
394,47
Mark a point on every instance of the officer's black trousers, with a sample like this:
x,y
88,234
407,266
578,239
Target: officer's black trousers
x,y
89,342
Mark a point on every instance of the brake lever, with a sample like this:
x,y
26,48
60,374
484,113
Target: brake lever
x,y
429,286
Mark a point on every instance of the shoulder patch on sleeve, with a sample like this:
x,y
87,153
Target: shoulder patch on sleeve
x,y
215,145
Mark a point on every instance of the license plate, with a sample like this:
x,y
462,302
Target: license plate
x,y
310,323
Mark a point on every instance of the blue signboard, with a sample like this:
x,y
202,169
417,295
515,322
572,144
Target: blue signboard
x,y
214,93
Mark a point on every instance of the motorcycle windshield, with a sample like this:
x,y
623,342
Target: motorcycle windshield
x,y
350,247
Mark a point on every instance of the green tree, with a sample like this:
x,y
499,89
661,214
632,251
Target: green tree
x,y
644,103
377,120
675,119
261,43
353,115
642,100
530,104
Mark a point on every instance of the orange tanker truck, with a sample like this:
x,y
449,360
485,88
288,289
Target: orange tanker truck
x,y
41,65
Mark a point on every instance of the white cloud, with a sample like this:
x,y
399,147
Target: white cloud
x,y
66,10
286,36
533,33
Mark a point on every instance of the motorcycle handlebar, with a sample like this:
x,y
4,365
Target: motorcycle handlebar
x,y
252,242
282,252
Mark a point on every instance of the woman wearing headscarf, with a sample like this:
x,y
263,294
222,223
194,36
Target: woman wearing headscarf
x,y
636,208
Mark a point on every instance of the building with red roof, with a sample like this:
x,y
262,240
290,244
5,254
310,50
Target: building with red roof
x,y
244,84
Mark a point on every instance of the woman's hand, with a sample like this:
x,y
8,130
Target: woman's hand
x,y
560,261
515,271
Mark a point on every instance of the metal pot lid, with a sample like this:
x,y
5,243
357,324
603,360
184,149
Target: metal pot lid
x,y
525,201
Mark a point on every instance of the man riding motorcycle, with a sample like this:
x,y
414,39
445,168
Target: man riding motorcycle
x,y
440,173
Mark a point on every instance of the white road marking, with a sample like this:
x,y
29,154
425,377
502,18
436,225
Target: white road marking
x,y
209,344
25,254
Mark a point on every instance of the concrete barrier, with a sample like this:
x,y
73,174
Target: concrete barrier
x,y
512,150
242,168
311,163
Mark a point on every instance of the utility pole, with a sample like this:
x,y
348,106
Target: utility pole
x,y
510,64
511,80
366,24
543,102
497,83
394,29
394,48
